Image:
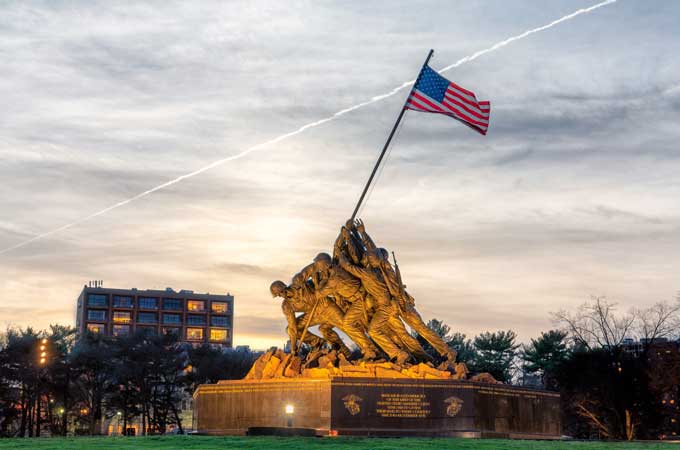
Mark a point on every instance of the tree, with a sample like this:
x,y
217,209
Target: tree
x,y
606,395
545,355
209,364
91,358
456,341
60,377
495,354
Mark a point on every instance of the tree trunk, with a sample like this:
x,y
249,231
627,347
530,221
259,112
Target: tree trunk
x,y
177,418
630,426
24,410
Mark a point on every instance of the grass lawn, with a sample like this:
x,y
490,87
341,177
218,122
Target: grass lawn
x,y
272,443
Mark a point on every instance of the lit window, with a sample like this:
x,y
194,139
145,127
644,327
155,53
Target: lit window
x,y
95,328
93,314
148,303
196,320
195,305
218,335
218,321
195,334
219,307
122,301
96,300
172,318
172,304
121,330
122,317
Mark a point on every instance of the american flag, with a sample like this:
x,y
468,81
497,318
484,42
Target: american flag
x,y
435,94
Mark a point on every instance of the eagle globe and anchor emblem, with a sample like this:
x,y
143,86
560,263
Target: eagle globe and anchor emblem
x,y
455,404
352,403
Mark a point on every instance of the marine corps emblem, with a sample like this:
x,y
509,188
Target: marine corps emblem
x,y
352,403
455,405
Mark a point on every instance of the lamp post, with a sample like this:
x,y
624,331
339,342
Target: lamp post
x,y
118,414
42,361
290,409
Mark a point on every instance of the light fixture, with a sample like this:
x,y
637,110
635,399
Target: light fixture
x,y
290,409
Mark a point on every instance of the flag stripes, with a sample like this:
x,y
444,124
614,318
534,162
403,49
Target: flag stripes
x,y
435,94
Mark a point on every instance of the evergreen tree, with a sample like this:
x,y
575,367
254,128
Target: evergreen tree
x,y
464,347
545,355
495,353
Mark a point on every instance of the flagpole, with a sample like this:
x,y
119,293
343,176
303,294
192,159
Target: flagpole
x,y
389,139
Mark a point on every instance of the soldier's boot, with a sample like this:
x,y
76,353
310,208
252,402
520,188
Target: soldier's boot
x,y
402,357
368,355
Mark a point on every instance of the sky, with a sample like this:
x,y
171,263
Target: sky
x,y
573,193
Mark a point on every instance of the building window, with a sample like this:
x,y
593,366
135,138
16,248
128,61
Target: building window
x,y
122,301
146,317
147,330
121,330
148,303
93,314
97,300
171,331
196,305
122,317
172,304
95,328
217,321
217,335
219,307
195,334
196,320
172,318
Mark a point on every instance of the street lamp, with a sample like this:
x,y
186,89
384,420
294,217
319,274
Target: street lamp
x,y
118,414
290,409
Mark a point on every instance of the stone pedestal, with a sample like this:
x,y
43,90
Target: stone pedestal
x,y
378,407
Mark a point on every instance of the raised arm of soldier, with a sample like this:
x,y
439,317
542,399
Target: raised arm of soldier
x,y
365,238
358,272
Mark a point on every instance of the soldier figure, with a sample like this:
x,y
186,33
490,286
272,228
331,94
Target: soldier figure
x,y
326,314
407,309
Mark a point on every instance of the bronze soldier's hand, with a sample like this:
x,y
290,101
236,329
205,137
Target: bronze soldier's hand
x,y
360,226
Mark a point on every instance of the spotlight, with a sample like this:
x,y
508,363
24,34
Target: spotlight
x,y
290,409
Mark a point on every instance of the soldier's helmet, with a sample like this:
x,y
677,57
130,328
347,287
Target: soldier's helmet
x,y
374,257
384,254
277,288
323,260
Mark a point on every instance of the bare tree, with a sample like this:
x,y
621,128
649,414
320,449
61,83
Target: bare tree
x,y
658,321
595,323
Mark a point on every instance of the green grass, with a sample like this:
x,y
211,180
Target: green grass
x,y
272,443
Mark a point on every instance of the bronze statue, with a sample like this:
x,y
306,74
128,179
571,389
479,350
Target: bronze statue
x,y
316,310
359,292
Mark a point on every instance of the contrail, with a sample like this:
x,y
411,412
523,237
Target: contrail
x,y
303,128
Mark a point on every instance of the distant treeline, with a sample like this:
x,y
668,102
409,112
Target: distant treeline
x,y
52,382
618,374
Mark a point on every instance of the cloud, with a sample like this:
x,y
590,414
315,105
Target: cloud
x,y
573,192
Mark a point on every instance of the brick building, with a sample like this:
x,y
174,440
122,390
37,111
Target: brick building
x,y
195,318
